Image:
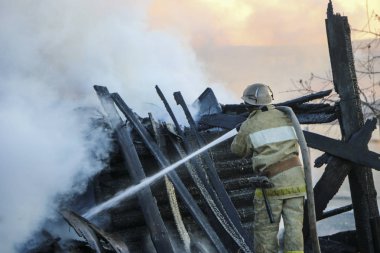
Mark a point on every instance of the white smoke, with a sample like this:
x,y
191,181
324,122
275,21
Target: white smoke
x,y
45,145
52,52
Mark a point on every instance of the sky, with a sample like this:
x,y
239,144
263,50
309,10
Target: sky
x,y
245,41
53,52
254,22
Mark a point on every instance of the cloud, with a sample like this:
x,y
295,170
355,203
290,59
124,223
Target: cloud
x,y
52,53
254,22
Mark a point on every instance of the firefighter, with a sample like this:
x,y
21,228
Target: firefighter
x,y
270,139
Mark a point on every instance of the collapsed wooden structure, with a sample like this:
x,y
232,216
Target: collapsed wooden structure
x,y
151,214
206,206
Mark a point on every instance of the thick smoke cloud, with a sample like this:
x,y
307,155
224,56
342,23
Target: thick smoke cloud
x,y
52,52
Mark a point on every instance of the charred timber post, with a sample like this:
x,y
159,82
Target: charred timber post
x,y
350,150
197,173
92,234
213,175
170,190
336,211
170,111
212,211
363,192
157,228
337,169
176,180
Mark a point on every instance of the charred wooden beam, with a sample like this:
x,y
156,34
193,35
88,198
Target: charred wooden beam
x,y
243,108
164,162
207,103
198,175
149,208
314,108
127,221
157,228
360,139
230,121
245,242
95,236
348,151
170,190
342,242
255,182
337,170
316,118
212,114
363,192
306,98
327,186
336,211
321,160
226,121
375,227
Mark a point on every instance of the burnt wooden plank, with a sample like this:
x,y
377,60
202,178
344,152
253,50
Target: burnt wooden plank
x,y
243,108
152,216
94,235
336,211
349,151
306,98
359,139
226,121
197,171
230,121
316,118
228,210
207,103
375,227
337,170
164,162
327,186
313,108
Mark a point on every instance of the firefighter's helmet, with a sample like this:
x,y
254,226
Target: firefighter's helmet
x,y
258,94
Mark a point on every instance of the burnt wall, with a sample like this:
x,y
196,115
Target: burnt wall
x,y
127,220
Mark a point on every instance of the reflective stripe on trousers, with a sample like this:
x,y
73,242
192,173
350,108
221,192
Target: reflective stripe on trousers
x,y
271,192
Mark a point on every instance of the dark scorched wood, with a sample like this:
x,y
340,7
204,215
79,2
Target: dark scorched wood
x,y
127,220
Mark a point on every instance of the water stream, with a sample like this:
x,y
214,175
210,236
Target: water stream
x,y
129,192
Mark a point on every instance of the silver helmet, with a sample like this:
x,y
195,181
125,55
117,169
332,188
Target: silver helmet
x,y
258,94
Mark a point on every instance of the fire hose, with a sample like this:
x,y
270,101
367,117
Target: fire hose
x,y
308,177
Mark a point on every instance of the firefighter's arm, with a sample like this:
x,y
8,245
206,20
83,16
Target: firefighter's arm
x,y
240,145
